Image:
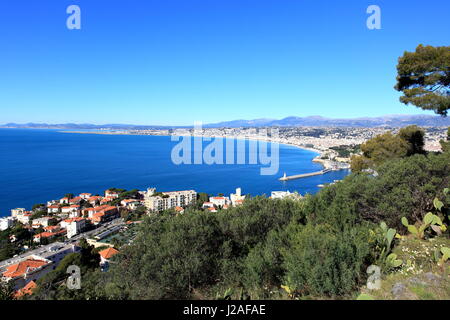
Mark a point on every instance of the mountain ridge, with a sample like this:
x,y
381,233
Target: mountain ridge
x,y
294,121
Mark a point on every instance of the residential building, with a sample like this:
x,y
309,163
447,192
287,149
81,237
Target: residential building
x,y
85,196
27,290
179,209
237,198
75,226
54,208
75,200
64,200
207,205
49,233
132,204
6,223
30,269
42,222
167,200
94,200
101,213
105,257
55,252
17,211
219,201
24,218
111,194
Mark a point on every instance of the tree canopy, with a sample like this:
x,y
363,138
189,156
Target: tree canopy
x,y
386,146
424,78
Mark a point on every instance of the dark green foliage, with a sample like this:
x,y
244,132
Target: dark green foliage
x,y
170,257
345,151
6,290
39,214
387,146
445,144
424,78
37,206
415,138
320,262
405,187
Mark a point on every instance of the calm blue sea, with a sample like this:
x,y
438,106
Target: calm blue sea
x,y
41,165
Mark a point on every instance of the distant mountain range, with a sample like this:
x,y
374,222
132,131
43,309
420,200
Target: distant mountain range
x,y
312,121
318,121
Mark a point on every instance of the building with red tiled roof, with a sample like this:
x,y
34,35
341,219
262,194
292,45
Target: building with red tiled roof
x,y
111,194
27,290
179,209
105,256
94,200
75,200
102,213
27,270
108,253
49,234
219,201
54,208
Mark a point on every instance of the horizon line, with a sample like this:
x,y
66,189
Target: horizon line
x,y
233,120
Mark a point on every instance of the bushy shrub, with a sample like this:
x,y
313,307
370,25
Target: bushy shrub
x,y
405,187
321,262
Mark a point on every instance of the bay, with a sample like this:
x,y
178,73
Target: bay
x,y
37,165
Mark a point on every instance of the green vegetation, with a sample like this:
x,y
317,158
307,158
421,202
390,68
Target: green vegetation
x,y
6,291
424,78
346,151
317,247
387,146
445,144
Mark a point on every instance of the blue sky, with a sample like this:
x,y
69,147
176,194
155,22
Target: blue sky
x,y
173,62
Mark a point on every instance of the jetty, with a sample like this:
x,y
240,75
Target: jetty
x,y
304,175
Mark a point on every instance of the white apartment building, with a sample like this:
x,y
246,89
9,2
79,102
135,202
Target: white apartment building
x,y
24,218
17,211
166,200
75,226
219,201
6,223
43,221
237,198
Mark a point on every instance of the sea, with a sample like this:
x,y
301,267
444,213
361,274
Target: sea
x,y
38,165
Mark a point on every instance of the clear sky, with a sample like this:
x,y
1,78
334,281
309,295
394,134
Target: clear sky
x,y
173,62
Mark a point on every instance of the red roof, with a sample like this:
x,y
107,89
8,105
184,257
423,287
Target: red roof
x,y
108,253
27,290
23,267
46,234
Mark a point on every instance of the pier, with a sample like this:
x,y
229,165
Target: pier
x,y
304,175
